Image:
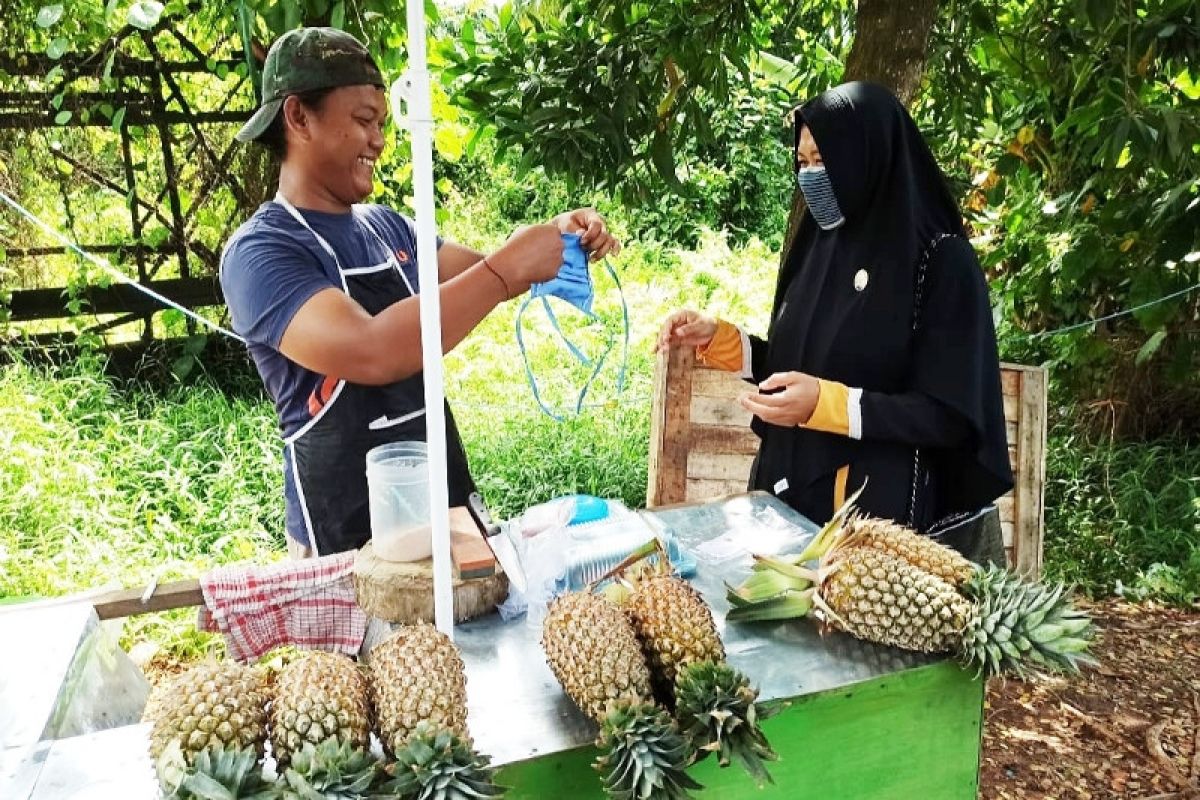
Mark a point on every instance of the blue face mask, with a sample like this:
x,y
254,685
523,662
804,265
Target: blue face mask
x,y
573,284
818,194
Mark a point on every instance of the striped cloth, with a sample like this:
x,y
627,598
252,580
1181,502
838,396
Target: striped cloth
x,y
308,604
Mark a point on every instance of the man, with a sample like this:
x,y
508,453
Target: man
x,y
324,289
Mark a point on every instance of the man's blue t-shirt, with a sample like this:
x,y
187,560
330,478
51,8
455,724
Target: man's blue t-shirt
x,y
272,266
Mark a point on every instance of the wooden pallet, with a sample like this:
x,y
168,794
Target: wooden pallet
x,y
701,445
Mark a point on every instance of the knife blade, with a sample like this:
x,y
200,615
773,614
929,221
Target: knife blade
x,y
502,546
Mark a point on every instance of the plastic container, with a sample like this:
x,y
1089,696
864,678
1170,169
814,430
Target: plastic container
x,y
398,490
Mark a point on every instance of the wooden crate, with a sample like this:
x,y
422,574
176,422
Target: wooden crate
x,y
701,445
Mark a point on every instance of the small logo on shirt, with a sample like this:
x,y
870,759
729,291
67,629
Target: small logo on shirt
x,y
860,280
402,256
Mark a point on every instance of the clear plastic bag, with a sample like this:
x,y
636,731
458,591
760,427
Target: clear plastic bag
x,y
103,688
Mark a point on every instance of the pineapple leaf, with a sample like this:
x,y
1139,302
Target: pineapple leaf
x,y
716,708
435,764
790,605
643,754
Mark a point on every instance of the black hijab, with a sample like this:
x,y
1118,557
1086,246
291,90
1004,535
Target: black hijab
x,y
896,203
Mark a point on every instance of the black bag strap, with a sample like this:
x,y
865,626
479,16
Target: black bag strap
x,y
918,297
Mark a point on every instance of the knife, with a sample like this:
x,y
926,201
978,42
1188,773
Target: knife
x,y
502,546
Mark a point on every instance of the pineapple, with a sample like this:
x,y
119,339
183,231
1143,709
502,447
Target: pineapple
x,y
418,676
421,699
674,626
876,596
910,546
318,697
713,702
232,774
884,584
592,650
209,705
594,653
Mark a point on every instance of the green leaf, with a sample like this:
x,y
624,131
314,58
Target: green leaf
x,y
337,17
57,48
49,15
118,119
62,118
144,14
1150,347
662,153
449,143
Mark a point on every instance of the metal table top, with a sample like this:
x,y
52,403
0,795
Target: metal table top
x,y
517,709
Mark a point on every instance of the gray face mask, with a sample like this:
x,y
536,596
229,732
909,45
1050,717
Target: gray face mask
x,y
818,194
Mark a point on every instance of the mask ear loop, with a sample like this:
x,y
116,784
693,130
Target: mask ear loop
x,y
579,355
529,376
609,347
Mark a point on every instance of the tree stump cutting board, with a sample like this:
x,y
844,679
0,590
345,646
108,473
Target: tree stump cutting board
x,y
397,591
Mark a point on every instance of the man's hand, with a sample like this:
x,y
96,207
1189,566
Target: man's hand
x,y
788,408
531,255
594,235
686,328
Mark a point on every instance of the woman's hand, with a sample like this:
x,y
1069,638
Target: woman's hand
x,y
788,408
686,328
593,232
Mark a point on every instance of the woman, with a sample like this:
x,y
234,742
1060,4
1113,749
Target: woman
x,y
880,363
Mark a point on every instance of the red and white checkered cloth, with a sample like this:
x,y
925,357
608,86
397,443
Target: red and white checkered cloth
x,y
308,603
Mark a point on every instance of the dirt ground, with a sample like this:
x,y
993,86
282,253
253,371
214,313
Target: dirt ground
x,y
1129,729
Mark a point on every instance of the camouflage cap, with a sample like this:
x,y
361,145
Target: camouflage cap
x,y
306,59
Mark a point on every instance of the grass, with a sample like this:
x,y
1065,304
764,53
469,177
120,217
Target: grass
x,y
1115,510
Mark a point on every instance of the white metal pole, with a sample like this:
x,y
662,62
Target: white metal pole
x,y
419,112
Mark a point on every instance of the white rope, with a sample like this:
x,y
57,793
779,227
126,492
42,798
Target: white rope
x,y
112,270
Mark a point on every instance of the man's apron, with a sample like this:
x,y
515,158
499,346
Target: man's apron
x,y
328,456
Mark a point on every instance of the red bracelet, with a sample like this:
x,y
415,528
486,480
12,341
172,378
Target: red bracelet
x,y
507,292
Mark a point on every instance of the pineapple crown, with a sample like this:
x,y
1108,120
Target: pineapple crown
x,y
435,764
715,706
1019,627
217,772
643,754
333,770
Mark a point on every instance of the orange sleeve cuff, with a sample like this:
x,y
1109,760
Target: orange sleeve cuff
x,y
832,414
724,351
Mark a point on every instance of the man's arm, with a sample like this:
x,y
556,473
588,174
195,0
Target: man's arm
x,y
454,259
333,335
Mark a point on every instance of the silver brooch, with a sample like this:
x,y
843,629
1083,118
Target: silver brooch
x,y
860,280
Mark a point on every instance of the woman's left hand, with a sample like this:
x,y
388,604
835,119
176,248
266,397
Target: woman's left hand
x,y
592,230
788,408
